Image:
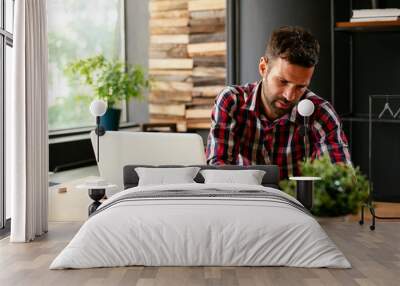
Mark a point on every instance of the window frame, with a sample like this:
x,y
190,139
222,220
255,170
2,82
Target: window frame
x,y
6,39
124,104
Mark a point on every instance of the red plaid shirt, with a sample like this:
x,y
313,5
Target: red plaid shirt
x,y
242,135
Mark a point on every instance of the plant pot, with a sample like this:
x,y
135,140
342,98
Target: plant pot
x,y
110,120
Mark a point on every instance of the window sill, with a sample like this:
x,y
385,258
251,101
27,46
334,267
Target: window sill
x,y
76,134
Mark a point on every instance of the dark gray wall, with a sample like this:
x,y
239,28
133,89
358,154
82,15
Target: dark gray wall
x,y
137,50
259,17
376,69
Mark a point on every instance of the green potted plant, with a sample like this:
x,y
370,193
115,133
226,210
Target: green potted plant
x,y
341,190
112,81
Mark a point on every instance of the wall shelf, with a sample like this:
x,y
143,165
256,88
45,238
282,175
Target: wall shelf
x,y
365,64
366,119
378,26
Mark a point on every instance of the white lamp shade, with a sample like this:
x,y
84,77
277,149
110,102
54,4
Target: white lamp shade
x,y
305,107
98,107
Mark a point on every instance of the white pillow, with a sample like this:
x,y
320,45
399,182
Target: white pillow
x,y
164,176
248,177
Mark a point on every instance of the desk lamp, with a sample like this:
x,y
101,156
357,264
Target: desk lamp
x,y
305,185
305,109
97,108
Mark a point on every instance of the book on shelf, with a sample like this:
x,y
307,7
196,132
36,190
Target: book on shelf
x,y
367,13
374,19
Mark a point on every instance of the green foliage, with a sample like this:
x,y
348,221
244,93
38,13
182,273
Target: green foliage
x,y
111,81
341,190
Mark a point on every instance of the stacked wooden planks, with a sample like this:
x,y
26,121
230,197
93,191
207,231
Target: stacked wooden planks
x,y
170,66
187,60
207,48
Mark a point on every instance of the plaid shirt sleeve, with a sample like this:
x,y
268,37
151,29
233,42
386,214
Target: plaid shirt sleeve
x,y
329,135
221,147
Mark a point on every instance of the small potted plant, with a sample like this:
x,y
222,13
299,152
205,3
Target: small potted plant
x,y
112,81
341,190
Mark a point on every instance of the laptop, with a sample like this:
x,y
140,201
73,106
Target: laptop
x,y
121,148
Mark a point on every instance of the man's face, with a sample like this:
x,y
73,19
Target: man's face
x,y
283,85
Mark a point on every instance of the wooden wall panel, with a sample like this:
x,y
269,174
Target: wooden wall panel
x,y
187,60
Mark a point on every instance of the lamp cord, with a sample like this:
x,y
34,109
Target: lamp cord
x,y
306,145
98,144
98,140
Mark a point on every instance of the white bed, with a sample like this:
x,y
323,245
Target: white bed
x,y
207,230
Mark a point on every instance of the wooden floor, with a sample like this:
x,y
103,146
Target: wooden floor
x,y
375,256
381,210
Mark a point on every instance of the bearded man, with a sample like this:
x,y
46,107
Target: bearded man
x,y
258,123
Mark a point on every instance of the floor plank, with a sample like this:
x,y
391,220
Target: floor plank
x,y
375,257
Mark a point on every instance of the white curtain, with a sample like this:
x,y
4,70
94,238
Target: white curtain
x,y
26,123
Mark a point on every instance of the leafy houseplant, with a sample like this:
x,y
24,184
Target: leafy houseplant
x,y
341,190
112,81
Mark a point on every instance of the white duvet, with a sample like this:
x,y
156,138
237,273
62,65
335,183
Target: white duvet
x,y
200,231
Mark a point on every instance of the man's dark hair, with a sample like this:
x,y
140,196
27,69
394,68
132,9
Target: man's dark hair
x,y
294,44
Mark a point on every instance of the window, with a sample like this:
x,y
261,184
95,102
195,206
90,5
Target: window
x,y
6,43
79,29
